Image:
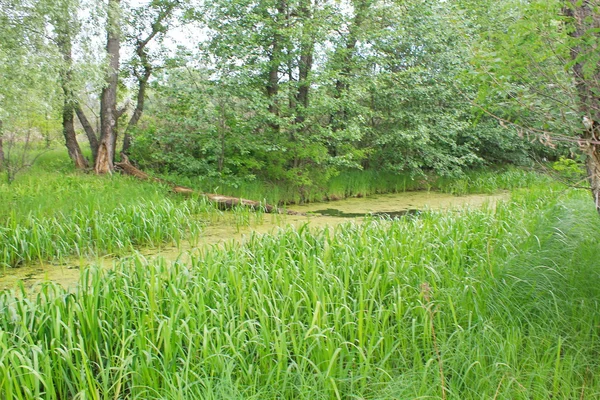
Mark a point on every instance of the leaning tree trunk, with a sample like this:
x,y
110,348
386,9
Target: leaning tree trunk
x,y
73,148
224,202
586,71
89,131
158,27
108,100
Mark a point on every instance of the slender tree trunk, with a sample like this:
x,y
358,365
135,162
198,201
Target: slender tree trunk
x,y
108,100
305,63
68,117
89,131
345,61
586,20
139,106
118,115
275,59
1,148
158,27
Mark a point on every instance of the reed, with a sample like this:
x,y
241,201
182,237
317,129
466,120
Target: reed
x,y
368,183
498,302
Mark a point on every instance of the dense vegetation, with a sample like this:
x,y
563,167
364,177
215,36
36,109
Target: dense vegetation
x,y
291,93
494,303
49,215
292,101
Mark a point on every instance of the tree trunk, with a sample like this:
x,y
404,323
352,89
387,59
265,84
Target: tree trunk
x,y
139,106
108,100
89,131
1,148
305,64
586,23
118,115
345,59
224,202
275,59
158,26
68,117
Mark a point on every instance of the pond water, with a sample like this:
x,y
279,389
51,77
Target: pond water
x,y
317,215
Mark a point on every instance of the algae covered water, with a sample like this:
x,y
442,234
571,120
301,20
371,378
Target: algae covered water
x,y
68,272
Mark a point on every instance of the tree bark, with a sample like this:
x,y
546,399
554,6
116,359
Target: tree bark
x,y
108,101
1,148
68,117
89,131
586,23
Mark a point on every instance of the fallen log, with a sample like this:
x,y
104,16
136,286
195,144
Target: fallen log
x,y
224,202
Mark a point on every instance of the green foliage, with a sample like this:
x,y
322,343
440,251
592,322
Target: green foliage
x,y
569,168
481,303
520,68
377,100
47,216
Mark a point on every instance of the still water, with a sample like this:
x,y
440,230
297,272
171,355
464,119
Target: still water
x,y
317,215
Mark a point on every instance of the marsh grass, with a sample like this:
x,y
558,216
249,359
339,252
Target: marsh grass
x,y
495,303
368,183
49,216
52,212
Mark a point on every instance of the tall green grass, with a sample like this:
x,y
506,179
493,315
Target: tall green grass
x,y
489,181
88,231
48,215
494,303
367,183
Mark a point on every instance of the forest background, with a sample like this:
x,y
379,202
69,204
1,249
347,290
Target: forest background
x,y
294,92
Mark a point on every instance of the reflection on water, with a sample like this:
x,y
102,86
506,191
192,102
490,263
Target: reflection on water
x,y
317,215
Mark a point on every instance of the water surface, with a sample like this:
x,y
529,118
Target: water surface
x,y
398,205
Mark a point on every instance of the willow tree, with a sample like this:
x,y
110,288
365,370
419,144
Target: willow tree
x,y
108,99
539,72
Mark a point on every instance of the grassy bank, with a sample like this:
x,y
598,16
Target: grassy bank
x,y
493,303
52,212
367,183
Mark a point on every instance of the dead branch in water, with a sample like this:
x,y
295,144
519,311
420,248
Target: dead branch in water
x,y
224,202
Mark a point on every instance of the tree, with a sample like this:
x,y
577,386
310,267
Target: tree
x,y
157,17
63,18
28,95
537,69
584,17
108,101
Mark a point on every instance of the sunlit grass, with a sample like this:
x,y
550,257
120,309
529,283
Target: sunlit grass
x,y
47,215
494,303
